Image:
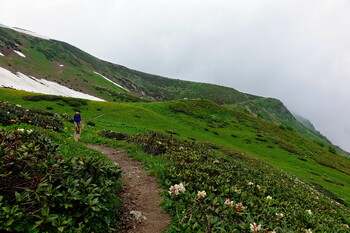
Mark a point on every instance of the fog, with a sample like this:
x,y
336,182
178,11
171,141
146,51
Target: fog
x,y
293,50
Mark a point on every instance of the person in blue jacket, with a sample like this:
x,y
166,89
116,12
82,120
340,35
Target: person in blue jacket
x,y
77,122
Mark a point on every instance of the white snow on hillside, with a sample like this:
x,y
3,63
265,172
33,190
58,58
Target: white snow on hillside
x,y
111,81
24,31
2,55
19,53
23,82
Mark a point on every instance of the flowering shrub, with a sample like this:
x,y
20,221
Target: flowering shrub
x,y
40,191
15,114
241,194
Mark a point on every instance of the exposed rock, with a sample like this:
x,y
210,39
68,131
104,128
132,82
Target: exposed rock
x,y
138,215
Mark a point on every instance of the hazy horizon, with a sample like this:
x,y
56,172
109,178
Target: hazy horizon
x,y
295,51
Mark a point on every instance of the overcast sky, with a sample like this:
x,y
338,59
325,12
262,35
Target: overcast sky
x,y
295,50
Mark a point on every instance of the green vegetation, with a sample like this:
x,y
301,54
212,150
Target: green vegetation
x,y
249,164
49,183
274,111
238,191
192,141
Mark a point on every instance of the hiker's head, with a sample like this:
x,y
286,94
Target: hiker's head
x,y
77,113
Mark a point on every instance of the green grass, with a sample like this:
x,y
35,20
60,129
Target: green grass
x,y
211,123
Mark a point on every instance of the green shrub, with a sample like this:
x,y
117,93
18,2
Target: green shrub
x,y
113,135
227,191
15,114
40,191
70,101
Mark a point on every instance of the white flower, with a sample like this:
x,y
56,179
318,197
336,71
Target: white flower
x,y
254,227
18,105
20,130
80,162
29,131
180,187
229,203
176,189
258,186
116,164
309,212
279,215
269,198
201,194
250,183
239,207
308,231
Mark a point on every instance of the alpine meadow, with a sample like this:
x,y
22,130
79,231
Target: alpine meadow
x,y
226,161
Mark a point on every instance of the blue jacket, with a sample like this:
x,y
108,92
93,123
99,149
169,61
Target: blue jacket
x,y
77,117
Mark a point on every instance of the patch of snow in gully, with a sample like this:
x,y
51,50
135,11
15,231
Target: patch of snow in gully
x,y
19,53
112,81
2,55
23,82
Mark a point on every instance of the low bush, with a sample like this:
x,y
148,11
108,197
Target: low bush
x,y
214,189
91,123
40,191
14,114
70,101
113,135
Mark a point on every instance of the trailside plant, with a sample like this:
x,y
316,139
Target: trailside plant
x,y
213,189
11,114
41,191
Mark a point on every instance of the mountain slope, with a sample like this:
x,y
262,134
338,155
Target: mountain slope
x,y
275,111
73,68
60,62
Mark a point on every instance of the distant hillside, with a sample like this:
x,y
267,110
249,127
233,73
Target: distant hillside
x,y
305,122
67,65
275,111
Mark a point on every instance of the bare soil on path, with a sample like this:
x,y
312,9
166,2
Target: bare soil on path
x,y
140,194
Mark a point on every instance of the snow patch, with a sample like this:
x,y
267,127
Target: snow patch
x,y
2,55
112,82
23,82
61,65
19,53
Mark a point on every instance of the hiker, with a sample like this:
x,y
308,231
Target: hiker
x,y
77,122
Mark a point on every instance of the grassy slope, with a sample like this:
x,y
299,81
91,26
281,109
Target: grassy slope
x,y
209,122
274,111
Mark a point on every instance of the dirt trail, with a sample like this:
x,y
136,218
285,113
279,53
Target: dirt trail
x,y
139,194
101,115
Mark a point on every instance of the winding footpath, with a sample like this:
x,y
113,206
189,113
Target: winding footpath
x,y
140,195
